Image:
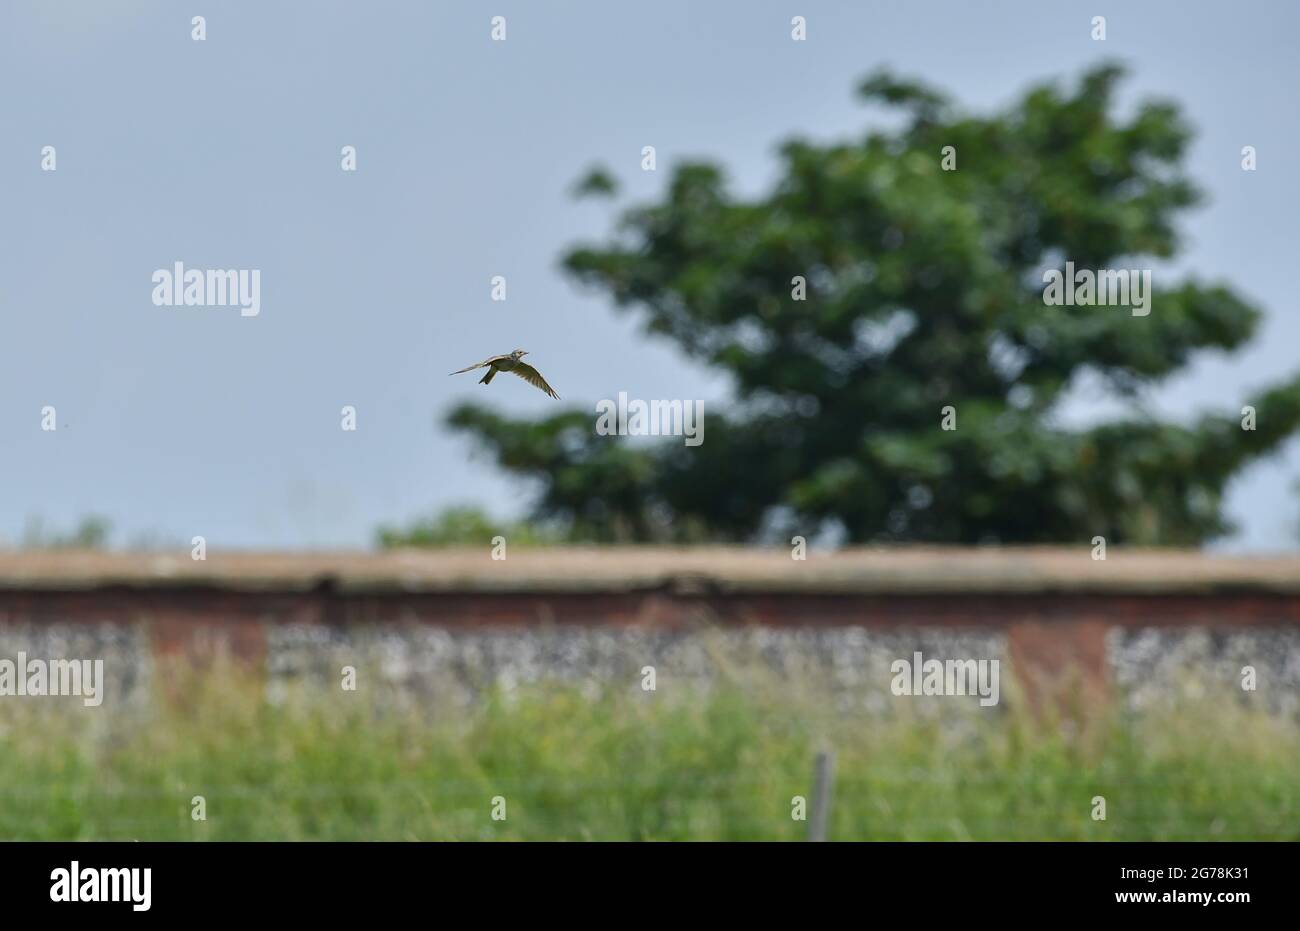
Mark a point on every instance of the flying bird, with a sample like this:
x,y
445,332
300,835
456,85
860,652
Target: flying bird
x,y
510,362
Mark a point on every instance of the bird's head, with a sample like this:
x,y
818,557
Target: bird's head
x,y
519,352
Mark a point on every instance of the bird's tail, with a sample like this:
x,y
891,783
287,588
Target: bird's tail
x,y
487,379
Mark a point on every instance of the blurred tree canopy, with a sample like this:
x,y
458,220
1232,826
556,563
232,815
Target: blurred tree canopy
x,y
465,523
92,533
924,291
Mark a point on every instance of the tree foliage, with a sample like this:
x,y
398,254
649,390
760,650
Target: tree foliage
x,y
91,533
924,291
463,525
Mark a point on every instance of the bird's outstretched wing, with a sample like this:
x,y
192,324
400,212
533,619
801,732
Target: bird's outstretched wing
x,y
476,365
534,378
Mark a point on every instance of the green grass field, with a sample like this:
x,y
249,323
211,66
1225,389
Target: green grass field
x,y
632,765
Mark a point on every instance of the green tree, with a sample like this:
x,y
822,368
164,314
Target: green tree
x,y
464,525
924,291
92,533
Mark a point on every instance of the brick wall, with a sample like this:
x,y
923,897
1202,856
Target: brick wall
x,y
1056,615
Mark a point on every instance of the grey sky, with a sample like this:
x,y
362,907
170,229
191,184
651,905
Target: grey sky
x,y
375,284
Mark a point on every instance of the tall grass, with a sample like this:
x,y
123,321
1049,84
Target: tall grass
x,y
625,764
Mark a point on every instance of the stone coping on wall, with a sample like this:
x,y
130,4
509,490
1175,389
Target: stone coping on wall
x,y
613,569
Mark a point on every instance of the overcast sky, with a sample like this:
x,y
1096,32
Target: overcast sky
x,y
225,154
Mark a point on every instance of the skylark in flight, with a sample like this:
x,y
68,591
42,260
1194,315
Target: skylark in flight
x,y
510,362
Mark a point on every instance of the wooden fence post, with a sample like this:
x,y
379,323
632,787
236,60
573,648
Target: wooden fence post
x,y
823,771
